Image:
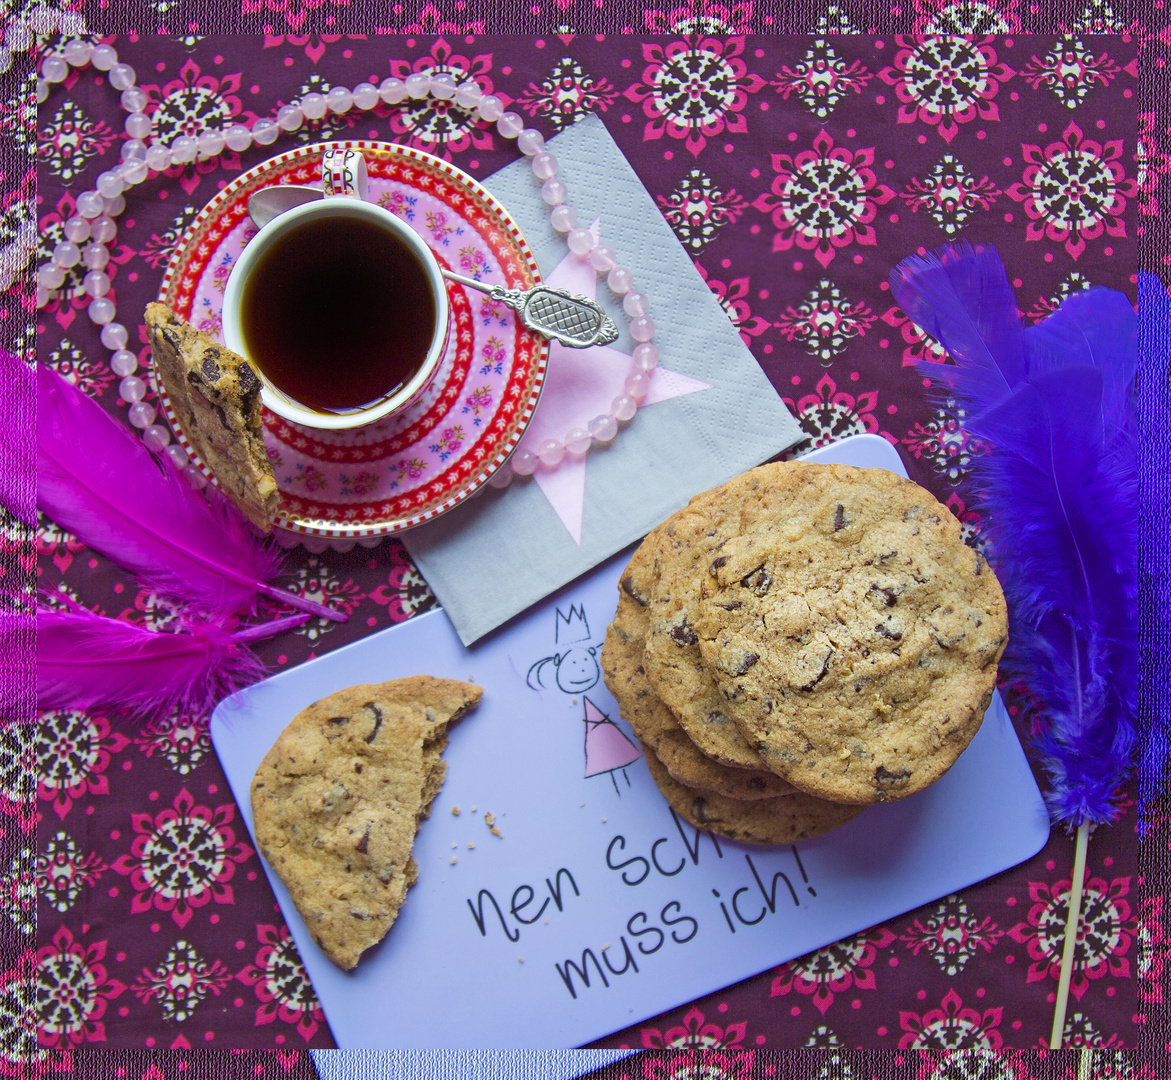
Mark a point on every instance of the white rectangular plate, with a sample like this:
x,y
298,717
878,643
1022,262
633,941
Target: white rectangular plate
x,y
593,877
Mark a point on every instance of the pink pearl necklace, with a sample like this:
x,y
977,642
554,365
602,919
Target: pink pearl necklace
x,y
94,224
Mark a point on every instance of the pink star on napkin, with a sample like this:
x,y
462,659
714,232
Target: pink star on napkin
x,y
580,384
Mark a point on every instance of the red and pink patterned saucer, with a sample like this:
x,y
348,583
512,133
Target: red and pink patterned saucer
x,y
413,467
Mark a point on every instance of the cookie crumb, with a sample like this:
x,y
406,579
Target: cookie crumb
x,y
473,809
490,821
453,860
454,844
520,959
603,821
470,846
455,811
583,804
606,946
844,753
881,706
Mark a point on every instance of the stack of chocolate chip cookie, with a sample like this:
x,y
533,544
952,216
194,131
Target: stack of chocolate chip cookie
x,y
800,643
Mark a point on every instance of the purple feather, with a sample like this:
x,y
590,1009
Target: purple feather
x,y
97,481
88,661
1055,402
1154,330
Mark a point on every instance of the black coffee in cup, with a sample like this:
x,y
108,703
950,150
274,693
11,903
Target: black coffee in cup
x,y
338,313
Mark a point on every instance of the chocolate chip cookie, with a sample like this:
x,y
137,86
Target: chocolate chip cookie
x,y
684,547
784,820
851,632
338,799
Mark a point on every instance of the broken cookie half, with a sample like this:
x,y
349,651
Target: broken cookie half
x,y
216,395
337,801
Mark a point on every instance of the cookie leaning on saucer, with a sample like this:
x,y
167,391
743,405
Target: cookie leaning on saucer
x,y
338,799
851,631
783,820
217,398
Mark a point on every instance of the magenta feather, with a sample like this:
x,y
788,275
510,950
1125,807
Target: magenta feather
x,y
97,481
1055,402
88,661
17,472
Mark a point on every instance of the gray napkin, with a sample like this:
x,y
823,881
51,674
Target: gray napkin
x,y
502,551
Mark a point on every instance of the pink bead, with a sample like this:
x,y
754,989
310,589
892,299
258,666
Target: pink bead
x,y
392,90
603,429
418,84
141,414
177,455
524,463
466,96
195,478
132,389
550,451
502,477
544,166
563,218
638,385
510,125
619,279
554,192
101,310
624,407
156,436
77,230
123,362
102,229
642,328
577,441
603,258
646,356
634,303
580,241
530,142
490,108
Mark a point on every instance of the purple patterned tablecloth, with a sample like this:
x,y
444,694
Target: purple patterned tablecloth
x,y
796,171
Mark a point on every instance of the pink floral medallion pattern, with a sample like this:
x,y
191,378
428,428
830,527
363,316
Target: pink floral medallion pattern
x,y
1074,190
734,299
73,753
73,990
694,90
567,94
829,413
1070,70
699,1065
63,873
182,858
846,965
278,979
825,322
950,194
821,79
1105,934
697,209
946,81
952,1026
181,981
695,1033
952,935
823,199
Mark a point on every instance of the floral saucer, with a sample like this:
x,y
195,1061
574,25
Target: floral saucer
x,y
400,472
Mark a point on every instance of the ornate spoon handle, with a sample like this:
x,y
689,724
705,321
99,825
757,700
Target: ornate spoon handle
x,y
554,313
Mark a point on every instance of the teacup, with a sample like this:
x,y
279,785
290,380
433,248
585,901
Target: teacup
x,y
339,305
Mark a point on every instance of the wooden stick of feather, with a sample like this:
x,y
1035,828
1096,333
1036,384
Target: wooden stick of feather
x,y
1055,403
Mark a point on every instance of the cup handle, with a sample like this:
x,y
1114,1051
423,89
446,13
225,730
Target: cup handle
x,y
343,174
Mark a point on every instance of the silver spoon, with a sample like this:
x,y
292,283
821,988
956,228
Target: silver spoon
x,y
554,313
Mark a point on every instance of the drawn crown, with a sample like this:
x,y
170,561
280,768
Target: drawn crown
x,y
572,627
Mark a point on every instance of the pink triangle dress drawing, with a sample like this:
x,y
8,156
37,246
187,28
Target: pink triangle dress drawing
x,y
573,669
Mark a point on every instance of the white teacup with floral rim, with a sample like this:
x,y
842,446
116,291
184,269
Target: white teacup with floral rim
x,y
327,388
